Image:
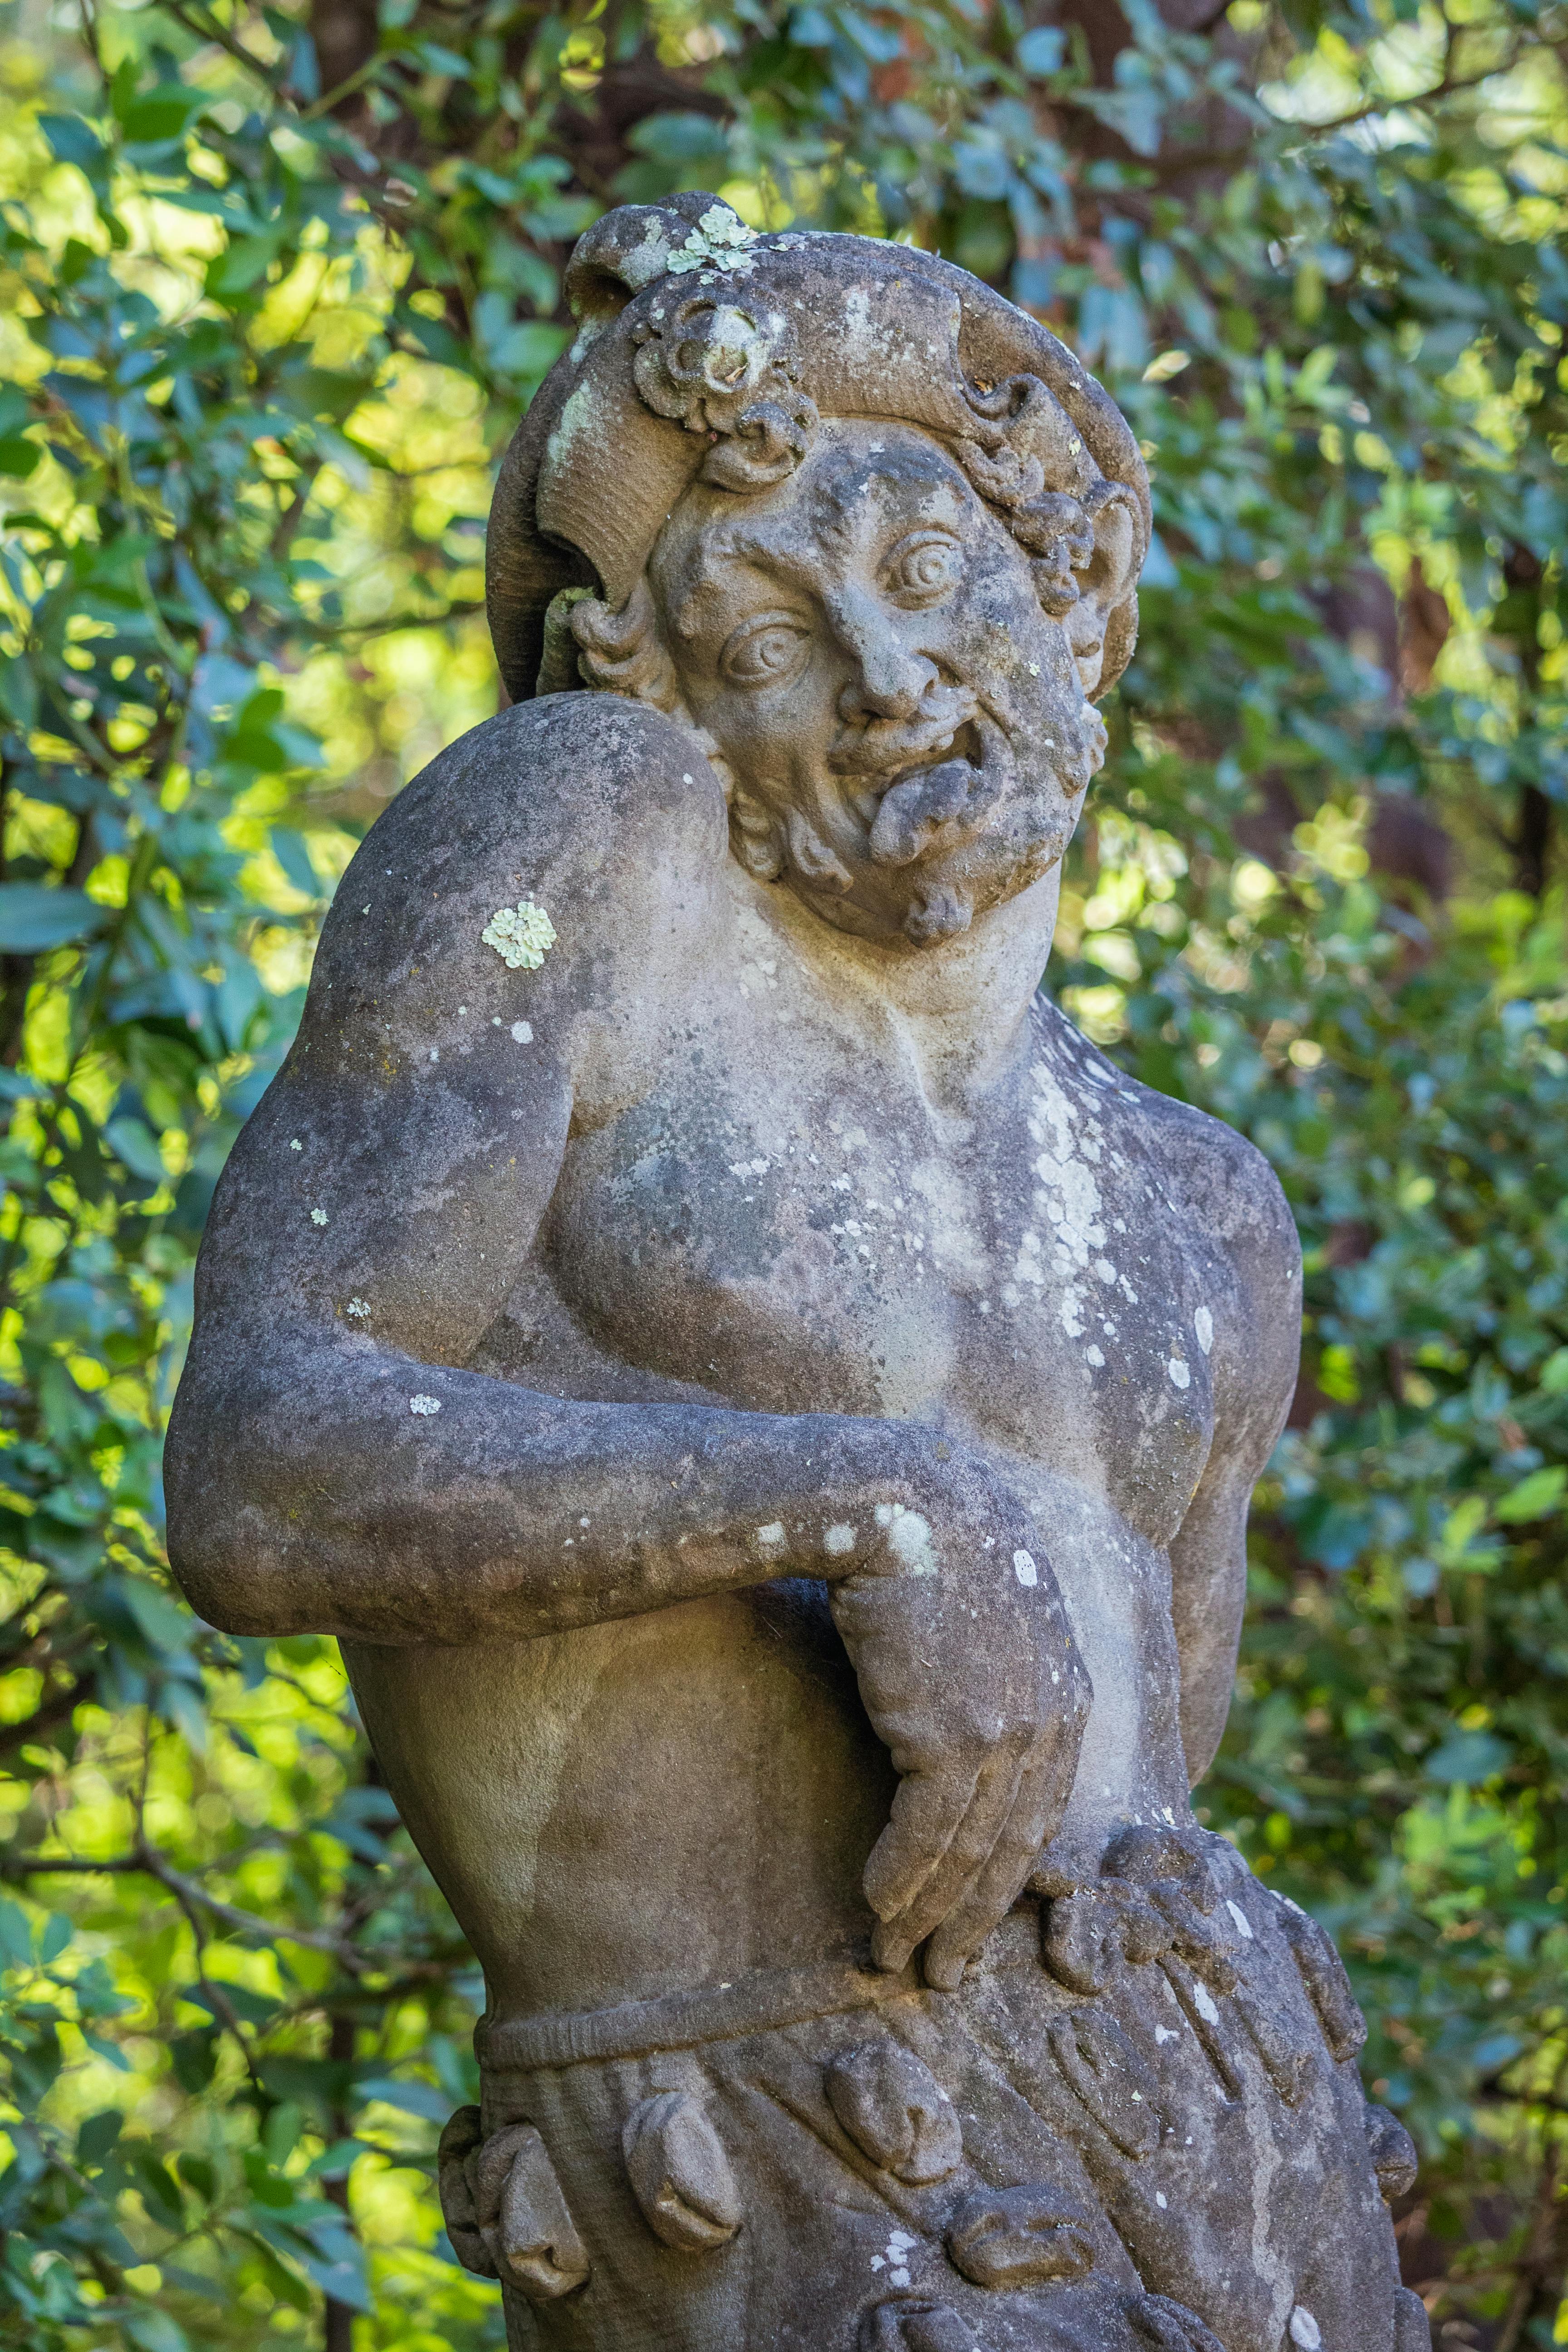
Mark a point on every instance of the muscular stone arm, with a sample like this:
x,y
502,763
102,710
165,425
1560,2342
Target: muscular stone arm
x,y
1257,1345
331,1463
334,1463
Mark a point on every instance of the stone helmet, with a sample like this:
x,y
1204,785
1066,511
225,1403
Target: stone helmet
x,y
705,350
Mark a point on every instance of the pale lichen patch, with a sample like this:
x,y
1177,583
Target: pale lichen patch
x,y
423,1404
908,1538
522,936
719,241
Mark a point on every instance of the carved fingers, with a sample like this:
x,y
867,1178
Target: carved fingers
x,y
996,1886
945,1826
915,2324
1169,2327
1012,2238
970,1678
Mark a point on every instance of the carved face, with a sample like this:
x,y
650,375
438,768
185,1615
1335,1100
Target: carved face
x,y
907,731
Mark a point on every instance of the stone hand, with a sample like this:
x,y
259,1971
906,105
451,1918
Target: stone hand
x,y
969,1673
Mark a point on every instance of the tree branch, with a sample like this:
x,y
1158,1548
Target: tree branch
x,y
145,1861
1450,87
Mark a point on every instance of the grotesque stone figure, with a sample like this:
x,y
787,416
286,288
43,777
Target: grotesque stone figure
x,y
769,1410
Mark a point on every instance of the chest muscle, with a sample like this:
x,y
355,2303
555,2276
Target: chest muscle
x,y
838,1246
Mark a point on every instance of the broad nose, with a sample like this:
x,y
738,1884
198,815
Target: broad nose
x,y
888,680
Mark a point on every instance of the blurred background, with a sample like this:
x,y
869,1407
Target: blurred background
x,y
275,284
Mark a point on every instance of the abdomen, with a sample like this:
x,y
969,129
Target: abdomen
x,y
642,1806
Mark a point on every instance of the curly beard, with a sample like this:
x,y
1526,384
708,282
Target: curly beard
x,y
947,829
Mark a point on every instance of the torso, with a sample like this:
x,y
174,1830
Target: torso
x,y
787,1222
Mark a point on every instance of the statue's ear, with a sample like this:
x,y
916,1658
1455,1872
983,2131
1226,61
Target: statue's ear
x,y
1106,580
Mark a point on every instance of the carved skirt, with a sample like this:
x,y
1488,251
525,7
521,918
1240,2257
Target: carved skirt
x,y
1136,2124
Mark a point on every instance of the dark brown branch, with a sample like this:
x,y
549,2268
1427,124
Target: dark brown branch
x,y
147,1862
206,29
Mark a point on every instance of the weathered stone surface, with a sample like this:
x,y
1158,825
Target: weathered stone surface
x,y
769,1409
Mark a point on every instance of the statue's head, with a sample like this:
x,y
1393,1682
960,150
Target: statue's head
x,y
867,526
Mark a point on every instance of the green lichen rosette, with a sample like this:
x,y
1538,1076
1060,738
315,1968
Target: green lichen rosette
x,y
522,936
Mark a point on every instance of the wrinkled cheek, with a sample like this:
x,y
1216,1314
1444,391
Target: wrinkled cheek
x,y
1060,736
781,735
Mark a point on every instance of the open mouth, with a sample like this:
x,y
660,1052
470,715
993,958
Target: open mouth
x,y
935,802
962,747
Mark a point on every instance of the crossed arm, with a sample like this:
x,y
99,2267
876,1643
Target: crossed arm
x,y
371,1484
1254,1384
333,1464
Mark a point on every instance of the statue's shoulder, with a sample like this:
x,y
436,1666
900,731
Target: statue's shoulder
x,y
1228,1197
600,811
570,786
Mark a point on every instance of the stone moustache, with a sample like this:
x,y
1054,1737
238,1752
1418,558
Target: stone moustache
x,y
769,1410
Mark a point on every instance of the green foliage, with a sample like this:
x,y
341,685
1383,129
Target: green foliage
x,y
273,296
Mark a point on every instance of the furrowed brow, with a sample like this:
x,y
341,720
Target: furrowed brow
x,y
736,546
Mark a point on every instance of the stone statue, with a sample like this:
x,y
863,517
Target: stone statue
x,y
769,1410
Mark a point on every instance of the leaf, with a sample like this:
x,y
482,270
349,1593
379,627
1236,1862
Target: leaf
x,y
18,689
414,2098
155,2331
243,263
34,917
161,114
72,141
679,139
15,1937
1468,1757
98,2136
166,1624
1535,1497
342,2281
1042,49
55,1935
138,1147
289,849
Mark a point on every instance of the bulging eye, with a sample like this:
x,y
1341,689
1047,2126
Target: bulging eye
x,y
922,567
765,651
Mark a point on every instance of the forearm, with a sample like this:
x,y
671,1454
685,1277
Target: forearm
x,y
1208,1591
1205,1700
306,1494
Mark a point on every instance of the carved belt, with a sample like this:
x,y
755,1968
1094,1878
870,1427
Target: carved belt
x,y
762,2002
756,2003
